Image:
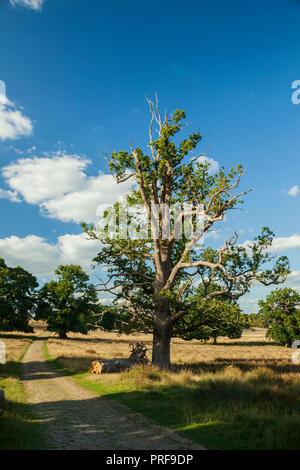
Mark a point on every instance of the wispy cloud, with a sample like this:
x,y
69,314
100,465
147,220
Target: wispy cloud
x,y
32,4
13,124
293,191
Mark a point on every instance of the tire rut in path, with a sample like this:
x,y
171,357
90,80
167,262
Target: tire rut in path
x,y
72,417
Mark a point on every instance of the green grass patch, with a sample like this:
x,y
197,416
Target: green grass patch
x,y
19,430
54,362
230,409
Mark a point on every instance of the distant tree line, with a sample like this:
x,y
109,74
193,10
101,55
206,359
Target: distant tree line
x,y
71,304
68,304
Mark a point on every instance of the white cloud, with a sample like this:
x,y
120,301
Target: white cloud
x,y
280,243
41,258
33,4
40,179
286,243
294,276
60,186
213,164
249,301
293,191
81,205
11,195
293,280
13,124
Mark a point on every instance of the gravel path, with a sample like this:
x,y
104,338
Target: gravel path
x,y
74,418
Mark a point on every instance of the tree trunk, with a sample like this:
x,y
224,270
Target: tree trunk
x,y
162,335
163,328
215,340
63,335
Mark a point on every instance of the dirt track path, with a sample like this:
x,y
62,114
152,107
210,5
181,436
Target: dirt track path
x,y
74,418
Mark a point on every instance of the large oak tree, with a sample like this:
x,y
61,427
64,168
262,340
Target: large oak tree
x,y
151,278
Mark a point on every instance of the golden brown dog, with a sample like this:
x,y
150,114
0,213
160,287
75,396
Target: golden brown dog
x,y
96,367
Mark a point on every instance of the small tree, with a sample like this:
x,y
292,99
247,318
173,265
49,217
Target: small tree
x,y
70,303
221,316
280,315
151,276
17,288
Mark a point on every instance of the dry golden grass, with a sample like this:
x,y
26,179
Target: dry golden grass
x,y
250,358
252,349
78,351
16,342
238,394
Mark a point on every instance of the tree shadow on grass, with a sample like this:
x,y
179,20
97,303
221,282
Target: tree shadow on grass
x,y
219,365
221,414
246,343
40,370
93,424
103,340
18,428
225,413
14,336
83,364
10,369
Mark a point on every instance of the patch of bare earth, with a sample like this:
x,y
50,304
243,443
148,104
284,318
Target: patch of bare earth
x,y
74,418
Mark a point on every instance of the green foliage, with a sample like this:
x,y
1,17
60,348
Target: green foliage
x,y
221,316
70,303
108,321
113,319
17,288
281,316
152,279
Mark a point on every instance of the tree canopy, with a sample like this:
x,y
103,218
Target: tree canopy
x,y
17,288
281,315
151,277
70,303
220,316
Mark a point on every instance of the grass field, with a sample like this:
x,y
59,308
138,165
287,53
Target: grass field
x,y
239,394
18,428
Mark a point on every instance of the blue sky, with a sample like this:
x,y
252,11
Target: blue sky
x,y
76,73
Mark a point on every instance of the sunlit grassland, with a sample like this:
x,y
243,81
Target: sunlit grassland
x,y
239,394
